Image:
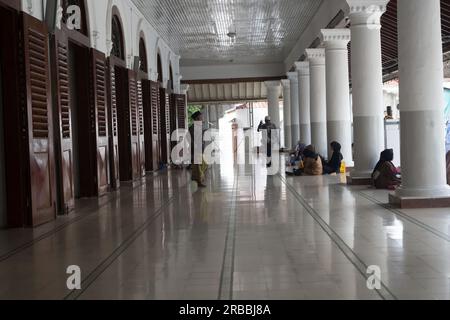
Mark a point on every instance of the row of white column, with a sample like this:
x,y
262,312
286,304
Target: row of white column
x,y
317,99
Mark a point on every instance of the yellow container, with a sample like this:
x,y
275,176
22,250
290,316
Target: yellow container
x,y
343,167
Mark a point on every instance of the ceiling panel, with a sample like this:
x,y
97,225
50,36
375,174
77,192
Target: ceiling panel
x,y
267,30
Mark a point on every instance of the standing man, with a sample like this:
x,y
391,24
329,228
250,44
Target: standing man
x,y
268,126
198,164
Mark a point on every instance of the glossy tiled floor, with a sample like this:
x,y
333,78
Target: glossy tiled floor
x,y
247,236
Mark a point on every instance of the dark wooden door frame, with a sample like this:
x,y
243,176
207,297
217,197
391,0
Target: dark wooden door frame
x,y
17,172
114,163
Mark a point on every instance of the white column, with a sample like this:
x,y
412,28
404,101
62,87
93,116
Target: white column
x,y
421,100
295,118
339,125
304,101
367,84
273,99
287,113
316,59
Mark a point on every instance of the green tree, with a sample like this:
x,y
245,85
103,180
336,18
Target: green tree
x,y
191,110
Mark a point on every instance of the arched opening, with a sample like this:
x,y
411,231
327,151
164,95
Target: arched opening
x,y
84,28
118,48
171,77
160,69
143,65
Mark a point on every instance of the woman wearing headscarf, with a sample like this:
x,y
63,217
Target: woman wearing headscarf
x,y
448,167
334,165
385,175
312,162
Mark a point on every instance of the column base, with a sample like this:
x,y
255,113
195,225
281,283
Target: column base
x,y
359,181
419,202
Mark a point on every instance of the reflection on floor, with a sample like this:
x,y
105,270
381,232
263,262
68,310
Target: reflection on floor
x,y
247,236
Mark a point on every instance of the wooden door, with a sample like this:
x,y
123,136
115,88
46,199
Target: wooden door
x,y
151,125
99,112
134,123
181,111
113,130
173,123
141,129
40,128
148,133
164,122
156,129
14,119
63,124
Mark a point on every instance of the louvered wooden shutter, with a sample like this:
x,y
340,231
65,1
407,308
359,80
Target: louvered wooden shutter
x,y
100,94
38,77
140,107
181,106
167,108
133,106
36,81
63,87
154,105
64,145
113,100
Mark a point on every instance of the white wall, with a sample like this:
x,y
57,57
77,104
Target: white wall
x,y
99,16
232,71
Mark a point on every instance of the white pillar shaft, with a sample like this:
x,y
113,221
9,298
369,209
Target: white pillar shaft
x,y
273,100
295,114
304,102
338,92
367,87
421,100
287,113
318,107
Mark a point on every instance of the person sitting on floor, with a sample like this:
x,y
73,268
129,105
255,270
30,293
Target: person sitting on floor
x,y
334,165
448,167
312,162
385,175
297,155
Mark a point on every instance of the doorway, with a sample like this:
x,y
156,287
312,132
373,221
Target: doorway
x,y
126,164
83,166
2,157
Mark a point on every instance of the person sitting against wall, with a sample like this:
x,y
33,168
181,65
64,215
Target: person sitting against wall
x,y
334,165
312,162
385,175
448,167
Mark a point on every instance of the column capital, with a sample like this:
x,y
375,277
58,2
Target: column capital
x,y
367,12
292,76
286,83
272,84
184,88
335,38
316,56
302,68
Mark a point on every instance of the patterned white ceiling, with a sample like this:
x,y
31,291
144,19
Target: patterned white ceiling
x,y
267,30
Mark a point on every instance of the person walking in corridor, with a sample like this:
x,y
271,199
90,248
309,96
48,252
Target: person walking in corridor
x,y
198,167
269,136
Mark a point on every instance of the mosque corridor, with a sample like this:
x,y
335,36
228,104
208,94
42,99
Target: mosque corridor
x,y
247,236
